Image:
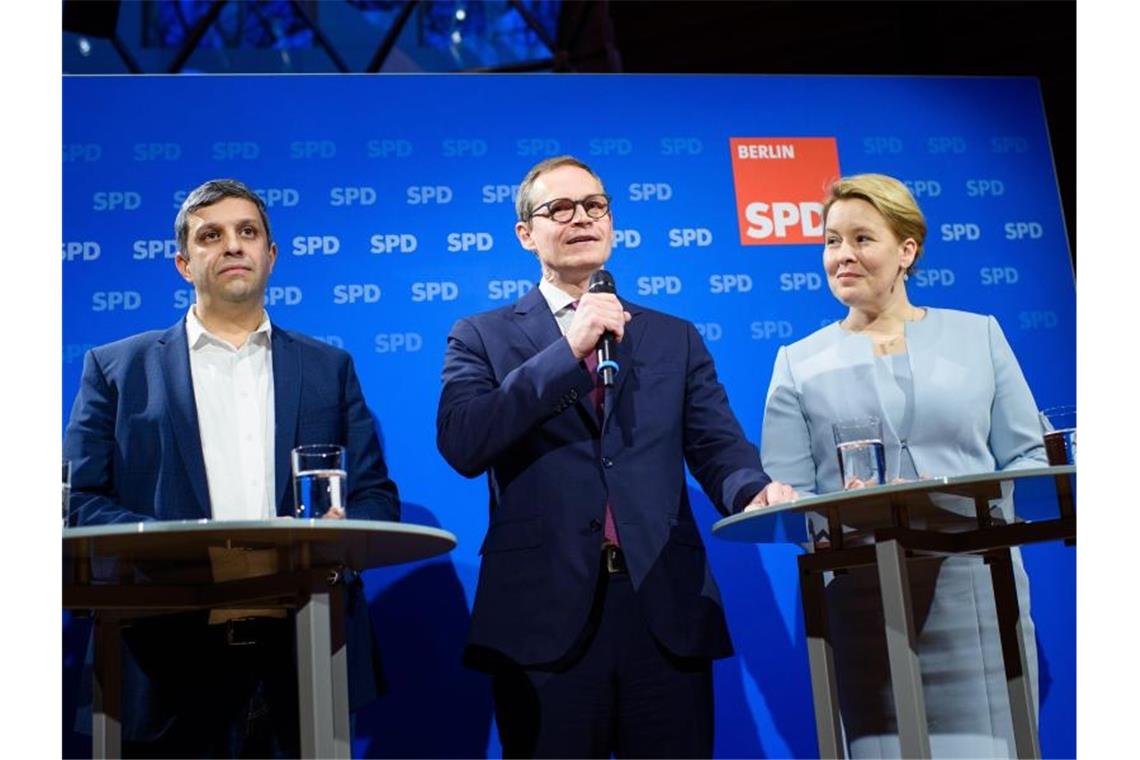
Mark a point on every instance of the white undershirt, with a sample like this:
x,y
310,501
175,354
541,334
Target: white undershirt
x,y
233,392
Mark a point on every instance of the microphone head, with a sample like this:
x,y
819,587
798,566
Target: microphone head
x,y
602,281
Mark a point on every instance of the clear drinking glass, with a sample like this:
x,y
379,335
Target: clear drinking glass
x,y
859,446
1059,429
320,480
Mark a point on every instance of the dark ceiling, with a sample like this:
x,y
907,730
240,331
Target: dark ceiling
x,y
955,38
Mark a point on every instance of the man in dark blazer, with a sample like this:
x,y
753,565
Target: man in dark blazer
x,y
198,421
596,611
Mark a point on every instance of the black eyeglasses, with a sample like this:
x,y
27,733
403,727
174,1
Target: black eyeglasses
x,y
562,210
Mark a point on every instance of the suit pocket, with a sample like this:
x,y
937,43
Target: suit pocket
x,y
509,536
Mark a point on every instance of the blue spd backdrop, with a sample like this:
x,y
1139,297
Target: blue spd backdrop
x,y
391,199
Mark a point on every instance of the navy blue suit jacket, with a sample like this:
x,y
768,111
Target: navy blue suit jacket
x,y
136,455
516,404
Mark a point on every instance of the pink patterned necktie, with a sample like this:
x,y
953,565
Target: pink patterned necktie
x,y
598,397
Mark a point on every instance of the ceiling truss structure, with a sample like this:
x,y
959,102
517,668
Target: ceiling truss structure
x,y
582,38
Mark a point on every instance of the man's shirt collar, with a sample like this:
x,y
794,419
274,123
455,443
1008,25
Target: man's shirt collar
x,y
556,298
197,335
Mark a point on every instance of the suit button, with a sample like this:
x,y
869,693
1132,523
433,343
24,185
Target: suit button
x,y
573,394
607,462
595,526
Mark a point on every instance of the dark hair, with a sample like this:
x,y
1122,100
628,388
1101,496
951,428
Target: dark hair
x,y
209,193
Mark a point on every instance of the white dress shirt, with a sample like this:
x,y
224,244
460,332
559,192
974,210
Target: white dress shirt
x,y
233,392
559,302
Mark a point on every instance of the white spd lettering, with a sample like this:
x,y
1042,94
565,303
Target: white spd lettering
x,y
422,194
466,241
730,283
154,249
116,300
652,285
389,242
82,250
307,245
434,290
684,237
363,292
777,218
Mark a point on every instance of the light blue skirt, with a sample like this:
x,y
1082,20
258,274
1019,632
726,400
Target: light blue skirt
x,y
963,676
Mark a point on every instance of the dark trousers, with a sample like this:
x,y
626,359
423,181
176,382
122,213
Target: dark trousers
x,y
619,692
241,701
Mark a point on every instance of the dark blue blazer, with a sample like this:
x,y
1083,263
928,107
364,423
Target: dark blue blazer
x,y
136,455
516,404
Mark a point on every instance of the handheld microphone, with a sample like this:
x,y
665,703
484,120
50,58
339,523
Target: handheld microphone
x,y
602,281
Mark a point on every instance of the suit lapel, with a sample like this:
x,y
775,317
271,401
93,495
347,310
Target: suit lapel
x,y
624,355
588,408
286,408
182,410
533,317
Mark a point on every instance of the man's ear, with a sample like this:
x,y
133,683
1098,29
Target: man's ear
x,y
522,232
182,264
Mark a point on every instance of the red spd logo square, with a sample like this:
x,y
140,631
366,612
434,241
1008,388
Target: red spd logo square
x,y
780,183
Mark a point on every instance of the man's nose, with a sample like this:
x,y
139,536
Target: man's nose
x,y
580,215
233,243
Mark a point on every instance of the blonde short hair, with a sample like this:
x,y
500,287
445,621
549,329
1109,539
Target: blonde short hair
x,y
891,198
523,204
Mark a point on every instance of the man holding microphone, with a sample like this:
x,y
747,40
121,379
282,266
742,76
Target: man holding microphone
x,y
596,611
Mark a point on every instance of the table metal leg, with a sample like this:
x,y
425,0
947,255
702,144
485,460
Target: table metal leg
x,y
342,738
902,649
1013,654
315,666
982,510
825,695
1065,501
106,705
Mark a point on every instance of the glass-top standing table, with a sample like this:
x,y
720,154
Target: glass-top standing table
x,y
886,518
133,570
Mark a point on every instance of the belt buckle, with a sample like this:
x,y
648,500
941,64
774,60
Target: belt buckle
x,y
615,560
241,632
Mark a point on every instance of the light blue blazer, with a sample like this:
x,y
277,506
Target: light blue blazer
x,y
973,410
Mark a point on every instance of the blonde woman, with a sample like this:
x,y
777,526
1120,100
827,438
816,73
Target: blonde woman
x,y
952,400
